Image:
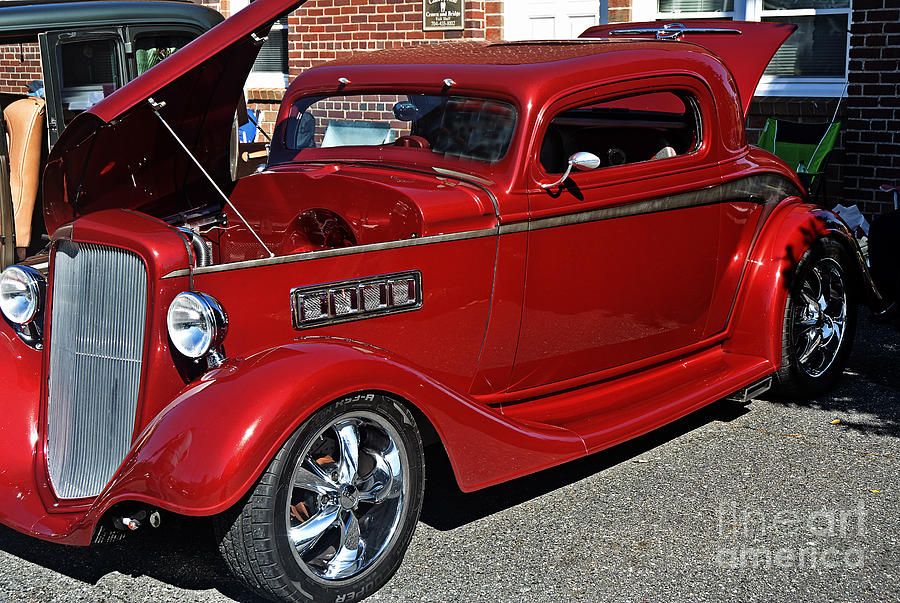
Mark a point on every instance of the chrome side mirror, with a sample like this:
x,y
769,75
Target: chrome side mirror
x,y
582,161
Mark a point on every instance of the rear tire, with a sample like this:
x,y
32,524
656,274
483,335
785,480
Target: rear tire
x,y
331,517
819,322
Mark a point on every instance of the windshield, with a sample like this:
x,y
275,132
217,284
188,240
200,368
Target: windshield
x,y
451,126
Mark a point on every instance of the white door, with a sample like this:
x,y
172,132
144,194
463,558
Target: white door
x,y
549,19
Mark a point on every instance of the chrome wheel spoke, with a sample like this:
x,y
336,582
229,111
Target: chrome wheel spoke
x,y
838,329
384,480
310,531
813,341
350,550
832,337
348,465
806,322
808,297
313,479
806,333
815,283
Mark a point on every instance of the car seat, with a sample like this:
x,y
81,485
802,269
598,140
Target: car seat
x,y
24,124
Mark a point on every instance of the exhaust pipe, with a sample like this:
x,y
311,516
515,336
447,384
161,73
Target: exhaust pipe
x,y
743,396
133,521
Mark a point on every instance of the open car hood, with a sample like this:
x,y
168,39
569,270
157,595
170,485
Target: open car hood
x,y
119,154
746,54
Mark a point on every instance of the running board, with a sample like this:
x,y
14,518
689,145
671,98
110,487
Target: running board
x,y
613,411
743,396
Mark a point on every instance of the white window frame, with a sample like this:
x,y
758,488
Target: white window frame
x,y
262,79
751,10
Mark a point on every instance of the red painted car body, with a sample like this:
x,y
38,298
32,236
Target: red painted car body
x,y
554,322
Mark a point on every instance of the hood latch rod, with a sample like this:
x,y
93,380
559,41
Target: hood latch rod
x,y
156,106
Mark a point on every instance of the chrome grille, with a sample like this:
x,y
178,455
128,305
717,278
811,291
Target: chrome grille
x,y
96,353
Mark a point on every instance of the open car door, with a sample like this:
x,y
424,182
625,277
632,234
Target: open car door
x,y
7,220
744,47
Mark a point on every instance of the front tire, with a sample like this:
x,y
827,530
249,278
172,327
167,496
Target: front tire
x,y
819,322
331,517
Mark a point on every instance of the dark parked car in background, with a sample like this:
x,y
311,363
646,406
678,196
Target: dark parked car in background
x,y
87,50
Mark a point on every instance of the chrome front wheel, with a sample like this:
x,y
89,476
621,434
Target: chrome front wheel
x,y
331,517
348,492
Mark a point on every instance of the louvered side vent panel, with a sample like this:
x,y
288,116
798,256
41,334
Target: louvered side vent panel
x,y
96,352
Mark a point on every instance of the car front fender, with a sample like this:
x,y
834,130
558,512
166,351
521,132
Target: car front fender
x,y
207,448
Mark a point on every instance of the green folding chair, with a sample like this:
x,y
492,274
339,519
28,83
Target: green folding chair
x,y
803,146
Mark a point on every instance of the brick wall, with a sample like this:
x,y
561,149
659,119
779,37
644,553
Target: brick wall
x,y
871,136
223,6
619,11
322,30
19,65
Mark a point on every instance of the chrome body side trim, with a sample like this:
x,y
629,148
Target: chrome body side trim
x,y
762,189
759,189
330,253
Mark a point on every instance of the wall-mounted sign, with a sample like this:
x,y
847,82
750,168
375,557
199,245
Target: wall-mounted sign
x,y
442,15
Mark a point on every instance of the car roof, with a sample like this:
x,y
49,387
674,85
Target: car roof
x,y
531,72
23,20
499,53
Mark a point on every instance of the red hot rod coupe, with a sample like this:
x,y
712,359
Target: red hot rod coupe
x,y
521,252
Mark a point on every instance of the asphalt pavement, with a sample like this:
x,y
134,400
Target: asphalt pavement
x,y
778,500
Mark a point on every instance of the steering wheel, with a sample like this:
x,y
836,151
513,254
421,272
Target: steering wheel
x,y
412,142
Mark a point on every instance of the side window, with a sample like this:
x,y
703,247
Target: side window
x,y
642,127
89,71
150,49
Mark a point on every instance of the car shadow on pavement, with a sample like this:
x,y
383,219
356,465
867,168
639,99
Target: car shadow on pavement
x,y
870,385
446,507
182,553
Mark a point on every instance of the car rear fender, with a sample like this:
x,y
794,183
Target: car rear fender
x,y
791,229
207,448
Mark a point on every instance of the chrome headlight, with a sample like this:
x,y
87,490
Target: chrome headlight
x,y
20,294
197,324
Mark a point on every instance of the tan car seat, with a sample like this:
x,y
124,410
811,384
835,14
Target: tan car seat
x,y
24,124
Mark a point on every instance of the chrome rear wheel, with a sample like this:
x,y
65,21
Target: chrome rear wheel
x,y
819,322
820,317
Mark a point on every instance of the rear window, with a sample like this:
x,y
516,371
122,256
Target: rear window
x,y
451,126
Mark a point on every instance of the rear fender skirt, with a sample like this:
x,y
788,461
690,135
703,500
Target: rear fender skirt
x,y
789,232
208,447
